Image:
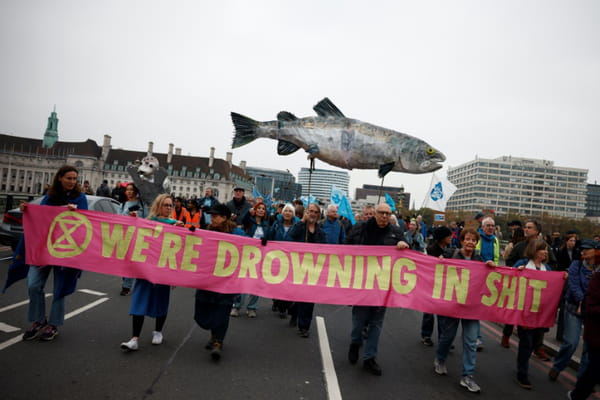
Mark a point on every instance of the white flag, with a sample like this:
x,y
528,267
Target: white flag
x,y
439,193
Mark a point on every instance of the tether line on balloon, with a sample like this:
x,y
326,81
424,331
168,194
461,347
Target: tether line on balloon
x,y
380,190
311,168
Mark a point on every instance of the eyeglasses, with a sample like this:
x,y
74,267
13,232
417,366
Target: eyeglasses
x,y
167,205
383,212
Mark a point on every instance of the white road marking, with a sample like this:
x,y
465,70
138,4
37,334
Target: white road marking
x,y
331,381
73,313
5,258
8,328
19,304
10,342
85,308
93,292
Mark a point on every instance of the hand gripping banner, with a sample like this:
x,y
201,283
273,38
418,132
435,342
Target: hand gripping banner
x,y
332,274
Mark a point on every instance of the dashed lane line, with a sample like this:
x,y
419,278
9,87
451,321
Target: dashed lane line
x,y
19,304
331,381
24,302
86,307
73,313
6,328
92,292
10,342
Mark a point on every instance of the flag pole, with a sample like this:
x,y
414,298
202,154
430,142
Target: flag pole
x,y
428,190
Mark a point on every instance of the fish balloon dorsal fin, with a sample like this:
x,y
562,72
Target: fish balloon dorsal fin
x,y
325,108
286,116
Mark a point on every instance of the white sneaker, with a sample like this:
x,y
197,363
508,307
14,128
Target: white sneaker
x,y
157,337
469,383
440,367
132,345
235,312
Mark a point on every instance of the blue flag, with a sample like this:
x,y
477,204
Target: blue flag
x,y
341,201
307,200
267,199
390,202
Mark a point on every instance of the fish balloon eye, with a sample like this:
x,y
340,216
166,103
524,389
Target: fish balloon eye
x,y
430,150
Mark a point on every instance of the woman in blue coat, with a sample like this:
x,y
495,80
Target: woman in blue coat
x,y
150,299
256,225
65,191
278,232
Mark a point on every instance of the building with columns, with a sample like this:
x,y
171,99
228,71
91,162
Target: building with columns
x,y
27,166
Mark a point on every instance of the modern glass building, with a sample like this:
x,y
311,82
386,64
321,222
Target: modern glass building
x,y
280,185
593,201
321,181
518,185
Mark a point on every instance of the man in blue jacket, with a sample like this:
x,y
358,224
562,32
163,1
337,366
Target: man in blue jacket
x,y
333,226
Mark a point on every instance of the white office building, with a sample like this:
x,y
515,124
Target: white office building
x,y
518,185
321,181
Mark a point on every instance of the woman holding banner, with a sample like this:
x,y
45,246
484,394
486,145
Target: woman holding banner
x,y
309,231
449,325
536,254
133,207
211,310
278,232
65,191
257,227
151,299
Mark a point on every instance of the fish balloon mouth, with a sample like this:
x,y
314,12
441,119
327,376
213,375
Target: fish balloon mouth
x,y
430,166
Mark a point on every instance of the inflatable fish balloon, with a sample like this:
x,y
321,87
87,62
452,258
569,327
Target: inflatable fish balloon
x,y
340,141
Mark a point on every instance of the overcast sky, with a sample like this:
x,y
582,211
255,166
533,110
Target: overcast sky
x,y
485,78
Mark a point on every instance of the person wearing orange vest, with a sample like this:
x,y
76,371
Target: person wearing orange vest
x,y
179,212
196,218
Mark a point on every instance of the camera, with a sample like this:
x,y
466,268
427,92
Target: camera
x,y
134,208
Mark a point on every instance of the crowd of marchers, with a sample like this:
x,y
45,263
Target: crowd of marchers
x,y
579,307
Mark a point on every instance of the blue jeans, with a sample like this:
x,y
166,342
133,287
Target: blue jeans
x,y
36,280
240,299
571,335
469,336
128,283
371,317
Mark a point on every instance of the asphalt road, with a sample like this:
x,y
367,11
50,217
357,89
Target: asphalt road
x,y
263,358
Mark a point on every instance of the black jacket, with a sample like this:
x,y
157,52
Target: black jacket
x,y
297,233
368,233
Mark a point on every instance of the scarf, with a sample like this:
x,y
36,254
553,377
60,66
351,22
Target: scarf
x,y
487,246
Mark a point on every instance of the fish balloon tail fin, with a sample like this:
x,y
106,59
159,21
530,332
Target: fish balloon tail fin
x,y
245,129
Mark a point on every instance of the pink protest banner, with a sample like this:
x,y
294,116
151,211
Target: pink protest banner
x,y
332,274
